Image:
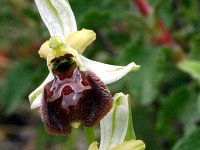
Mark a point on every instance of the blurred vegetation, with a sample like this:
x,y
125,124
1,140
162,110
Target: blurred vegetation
x,y
165,92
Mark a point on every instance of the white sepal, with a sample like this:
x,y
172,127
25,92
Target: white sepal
x,y
35,97
107,73
57,16
114,126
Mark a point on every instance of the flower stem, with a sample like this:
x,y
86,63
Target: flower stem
x,y
130,135
89,133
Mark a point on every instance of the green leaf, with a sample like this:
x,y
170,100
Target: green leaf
x,y
144,125
45,140
190,115
17,83
19,80
198,103
192,67
144,84
92,14
89,134
190,142
178,110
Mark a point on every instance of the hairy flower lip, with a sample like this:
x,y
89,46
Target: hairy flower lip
x,y
87,101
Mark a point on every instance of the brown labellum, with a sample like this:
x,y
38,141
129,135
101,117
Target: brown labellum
x,y
73,96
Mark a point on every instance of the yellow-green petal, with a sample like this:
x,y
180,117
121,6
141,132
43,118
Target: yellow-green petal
x,y
79,40
130,145
93,146
44,50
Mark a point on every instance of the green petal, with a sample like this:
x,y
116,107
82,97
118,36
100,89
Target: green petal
x,y
114,125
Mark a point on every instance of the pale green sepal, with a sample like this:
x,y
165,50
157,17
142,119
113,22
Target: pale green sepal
x,y
114,125
35,97
57,16
107,73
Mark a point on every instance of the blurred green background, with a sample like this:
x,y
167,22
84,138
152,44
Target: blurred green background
x,y
164,92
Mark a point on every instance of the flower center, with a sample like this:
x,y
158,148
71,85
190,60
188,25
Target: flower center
x,y
63,66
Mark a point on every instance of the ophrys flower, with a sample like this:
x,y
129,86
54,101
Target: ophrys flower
x,y
74,92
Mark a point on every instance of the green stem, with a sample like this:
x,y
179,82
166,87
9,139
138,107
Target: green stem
x,y
89,133
130,135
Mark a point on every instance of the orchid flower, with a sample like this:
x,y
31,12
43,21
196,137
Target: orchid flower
x,y
75,90
115,127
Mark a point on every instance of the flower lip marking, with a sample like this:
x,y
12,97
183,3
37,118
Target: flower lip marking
x,y
75,86
61,65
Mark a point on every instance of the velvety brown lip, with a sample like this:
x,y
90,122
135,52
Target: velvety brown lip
x,y
78,97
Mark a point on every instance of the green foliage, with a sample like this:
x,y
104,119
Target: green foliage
x,y
44,140
19,80
143,84
191,67
178,109
190,142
